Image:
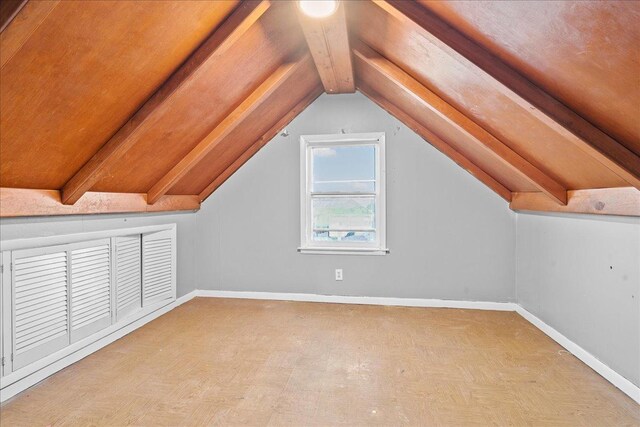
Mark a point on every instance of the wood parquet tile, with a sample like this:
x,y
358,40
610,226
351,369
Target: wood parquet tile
x,y
273,363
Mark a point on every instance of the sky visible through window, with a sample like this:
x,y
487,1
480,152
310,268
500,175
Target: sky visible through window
x,y
344,169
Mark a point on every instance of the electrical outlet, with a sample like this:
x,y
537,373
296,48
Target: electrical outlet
x,y
338,274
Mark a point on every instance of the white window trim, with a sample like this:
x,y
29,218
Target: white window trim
x,y
307,245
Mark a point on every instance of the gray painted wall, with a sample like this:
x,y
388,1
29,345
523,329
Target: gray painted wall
x,y
450,236
22,228
581,275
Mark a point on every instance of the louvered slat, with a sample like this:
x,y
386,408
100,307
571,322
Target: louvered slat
x,y
90,288
37,269
48,285
50,333
90,301
95,315
40,295
128,275
97,279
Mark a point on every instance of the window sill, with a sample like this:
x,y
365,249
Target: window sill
x,y
343,251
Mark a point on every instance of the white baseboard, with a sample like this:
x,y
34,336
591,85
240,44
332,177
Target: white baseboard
x,y
626,386
339,299
16,382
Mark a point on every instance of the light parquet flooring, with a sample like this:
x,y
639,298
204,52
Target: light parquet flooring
x,y
244,362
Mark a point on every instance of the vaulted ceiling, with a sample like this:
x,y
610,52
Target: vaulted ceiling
x,y
125,106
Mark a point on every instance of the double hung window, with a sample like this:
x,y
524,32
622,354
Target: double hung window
x,y
343,193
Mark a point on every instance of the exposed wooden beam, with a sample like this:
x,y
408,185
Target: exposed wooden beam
x,y
494,147
549,110
233,120
436,141
8,10
16,202
328,41
601,201
222,39
261,142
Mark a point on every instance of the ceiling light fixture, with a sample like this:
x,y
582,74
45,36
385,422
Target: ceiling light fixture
x,y
318,8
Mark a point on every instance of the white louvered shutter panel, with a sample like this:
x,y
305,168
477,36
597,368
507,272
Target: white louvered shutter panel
x,y
90,287
5,312
158,267
40,296
128,275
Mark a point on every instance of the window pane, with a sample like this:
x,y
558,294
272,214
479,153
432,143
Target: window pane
x,y
343,213
347,169
344,236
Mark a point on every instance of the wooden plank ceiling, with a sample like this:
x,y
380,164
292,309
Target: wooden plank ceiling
x,y
125,106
